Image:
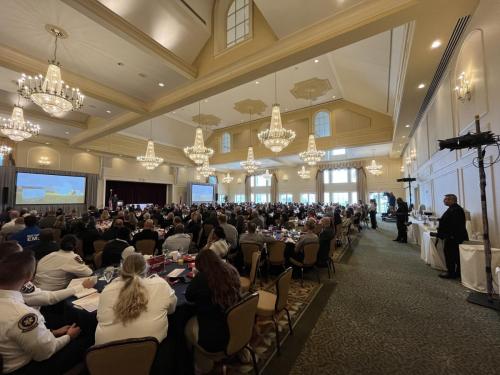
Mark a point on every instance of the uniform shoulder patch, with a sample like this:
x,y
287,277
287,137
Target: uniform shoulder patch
x,y
78,259
28,288
28,322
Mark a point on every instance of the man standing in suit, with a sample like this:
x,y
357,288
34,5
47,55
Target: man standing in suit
x,y
452,230
401,219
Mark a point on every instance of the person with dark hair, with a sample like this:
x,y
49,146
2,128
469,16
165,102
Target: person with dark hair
x,y
45,245
325,238
230,232
372,210
215,288
147,233
29,235
28,347
255,238
112,252
240,224
193,227
217,242
57,269
48,220
88,235
452,230
401,219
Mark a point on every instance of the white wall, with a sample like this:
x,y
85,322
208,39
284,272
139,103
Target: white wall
x,y
442,172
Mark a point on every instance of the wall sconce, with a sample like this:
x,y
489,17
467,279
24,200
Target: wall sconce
x,y
402,169
238,181
285,177
413,154
43,161
408,160
463,88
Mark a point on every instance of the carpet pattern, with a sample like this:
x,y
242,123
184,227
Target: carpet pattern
x,y
391,314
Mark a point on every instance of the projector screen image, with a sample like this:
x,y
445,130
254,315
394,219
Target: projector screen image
x,y
202,193
36,188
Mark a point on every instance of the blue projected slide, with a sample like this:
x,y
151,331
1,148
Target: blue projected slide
x,y
202,193
36,188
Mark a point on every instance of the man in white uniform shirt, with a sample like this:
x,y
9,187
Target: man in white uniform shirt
x,y
26,345
179,241
57,269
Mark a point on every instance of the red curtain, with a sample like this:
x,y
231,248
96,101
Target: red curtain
x,y
137,192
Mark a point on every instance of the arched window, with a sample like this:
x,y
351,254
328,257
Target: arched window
x,y
238,22
225,143
322,124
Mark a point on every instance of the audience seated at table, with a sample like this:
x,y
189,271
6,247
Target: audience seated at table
x,y
48,220
12,227
45,245
29,235
253,237
193,226
230,232
217,242
27,345
147,233
307,238
180,241
88,235
326,235
215,288
112,232
112,252
105,214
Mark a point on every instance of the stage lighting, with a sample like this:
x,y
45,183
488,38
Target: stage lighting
x,y
468,141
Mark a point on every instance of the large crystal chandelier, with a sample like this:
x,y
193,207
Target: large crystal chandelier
x,y
304,173
276,138
227,179
50,92
16,128
205,170
374,168
150,161
198,152
312,155
250,165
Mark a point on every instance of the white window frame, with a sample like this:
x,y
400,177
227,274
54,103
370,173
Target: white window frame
x,y
239,198
286,198
322,128
238,16
311,198
225,143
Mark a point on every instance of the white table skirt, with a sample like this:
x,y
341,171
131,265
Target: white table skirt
x,y
431,253
472,267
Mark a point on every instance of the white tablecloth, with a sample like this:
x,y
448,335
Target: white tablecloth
x,y
430,252
472,267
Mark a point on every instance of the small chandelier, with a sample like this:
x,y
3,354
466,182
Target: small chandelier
x,y
402,169
5,150
304,173
44,161
198,152
276,138
374,168
150,161
227,179
463,88
16,128
250,165
413,154
312,155
50,92
205,170
408,160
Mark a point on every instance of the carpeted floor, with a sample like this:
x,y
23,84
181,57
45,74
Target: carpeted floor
x,y
389,313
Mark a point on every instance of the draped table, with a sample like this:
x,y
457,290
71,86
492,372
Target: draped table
x,y
472,266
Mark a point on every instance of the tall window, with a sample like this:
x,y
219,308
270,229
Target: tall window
x,y
322,124
340,198
239,198
260,197
238,22
339,176
307,198
225,143
260,181
286,198
354,174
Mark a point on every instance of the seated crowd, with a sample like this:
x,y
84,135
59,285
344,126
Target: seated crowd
x,y
41,254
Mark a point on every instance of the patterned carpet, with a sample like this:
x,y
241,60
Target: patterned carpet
x,y
390,314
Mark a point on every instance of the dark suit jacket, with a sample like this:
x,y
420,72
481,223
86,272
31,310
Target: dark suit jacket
x,y
146,234
325,237
452,224
112,252
402,213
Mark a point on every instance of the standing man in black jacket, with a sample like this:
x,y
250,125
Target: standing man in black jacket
x,y
401,219
452,230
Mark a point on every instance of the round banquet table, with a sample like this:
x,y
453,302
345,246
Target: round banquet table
x,y
472,266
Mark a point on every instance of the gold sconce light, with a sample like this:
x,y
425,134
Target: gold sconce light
x,y
463,87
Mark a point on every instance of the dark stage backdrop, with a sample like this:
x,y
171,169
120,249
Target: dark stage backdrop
x,y
137,192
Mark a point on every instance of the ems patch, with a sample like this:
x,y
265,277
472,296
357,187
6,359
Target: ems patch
x,y
78,259
28,288
28,322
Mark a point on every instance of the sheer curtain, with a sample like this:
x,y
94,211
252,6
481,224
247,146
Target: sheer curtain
x,y
320,185
248,189
361,185
274,188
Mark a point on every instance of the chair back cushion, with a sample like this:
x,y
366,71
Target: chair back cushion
x,y
131,356
276,252
240,321
333,246
146,247
99,245
310,254
248,249
255,264
282,288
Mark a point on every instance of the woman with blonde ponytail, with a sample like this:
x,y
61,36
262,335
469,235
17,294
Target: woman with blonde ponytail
x,y
133,306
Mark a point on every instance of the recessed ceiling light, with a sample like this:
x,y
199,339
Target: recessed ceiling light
x,y
47,143
88,150
316,61
161,84
66,133
206,100
257,82
333,97
421,86
404,136
173,112
436,44
407,125
120,155
108,111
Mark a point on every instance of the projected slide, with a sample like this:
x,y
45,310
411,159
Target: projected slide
x,y
35,188
202,193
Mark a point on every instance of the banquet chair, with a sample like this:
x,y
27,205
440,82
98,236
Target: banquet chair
x,y
56,232
146,247
248,249
99,245
330,264
272,305
310,259
98,260
130,356
276,251
247,283
240,322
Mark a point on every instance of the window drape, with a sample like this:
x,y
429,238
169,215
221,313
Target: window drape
x,y
361,184
248,189
274,188
320,185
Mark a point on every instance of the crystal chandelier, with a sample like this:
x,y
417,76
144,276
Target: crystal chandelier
x,y
5,150
312,155
250,165
50,92
205,170
276,138
150,161
304,173
44,161
16,128
198,152
227,179
374,168
463,88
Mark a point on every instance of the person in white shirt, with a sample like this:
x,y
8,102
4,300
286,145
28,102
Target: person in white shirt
x,y
133,306
180,241
16,224
218,243
57,269
26,345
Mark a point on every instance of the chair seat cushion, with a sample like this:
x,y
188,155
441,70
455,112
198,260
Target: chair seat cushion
x,y
244,284
266,304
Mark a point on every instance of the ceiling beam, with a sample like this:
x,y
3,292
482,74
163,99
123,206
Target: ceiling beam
x,y
105,17
16,61
42,117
